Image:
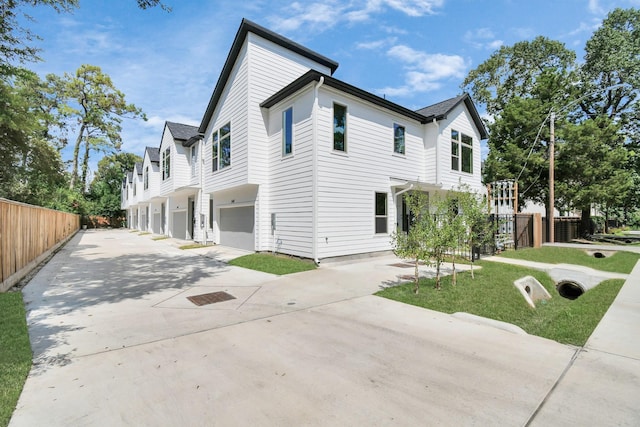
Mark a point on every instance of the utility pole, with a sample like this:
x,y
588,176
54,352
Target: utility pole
x,y
552,138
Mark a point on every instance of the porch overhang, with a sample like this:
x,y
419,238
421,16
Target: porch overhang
x,y
402,185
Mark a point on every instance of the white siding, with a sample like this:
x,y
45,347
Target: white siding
x,y
271,68
347,182
232,108
459,119
291,180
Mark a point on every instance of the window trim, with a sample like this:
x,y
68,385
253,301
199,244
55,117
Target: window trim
x,y
217,145
461,149
166,164
344,132
287,131
379,216
146,177
404,139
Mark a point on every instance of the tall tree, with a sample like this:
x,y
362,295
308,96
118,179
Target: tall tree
x,y
105,187
98,108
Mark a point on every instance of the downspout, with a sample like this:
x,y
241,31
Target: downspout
x,y
405,190
438,178
314,168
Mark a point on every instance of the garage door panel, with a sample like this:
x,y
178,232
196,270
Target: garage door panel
x,y
237,227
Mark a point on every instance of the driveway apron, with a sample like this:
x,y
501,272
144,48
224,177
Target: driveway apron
x,y
116,341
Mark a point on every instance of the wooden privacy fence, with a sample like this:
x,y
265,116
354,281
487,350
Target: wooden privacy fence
x,y
27,235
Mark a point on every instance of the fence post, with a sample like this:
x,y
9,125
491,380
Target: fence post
x,y
537,230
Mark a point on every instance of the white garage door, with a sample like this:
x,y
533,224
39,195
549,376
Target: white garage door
x,y
180,225
236,227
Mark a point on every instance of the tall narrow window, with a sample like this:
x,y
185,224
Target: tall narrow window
x,y
467,154
214,152
134,188
287,131
381,213
398,138
166,164
455,150
225,145
461,152
146,178
339,127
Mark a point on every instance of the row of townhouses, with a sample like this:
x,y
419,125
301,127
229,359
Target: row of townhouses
x,y
289,159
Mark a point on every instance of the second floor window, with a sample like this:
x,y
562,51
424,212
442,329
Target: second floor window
x,y
398,138
287,131
221,148
461,152
146,178
166,164
339,127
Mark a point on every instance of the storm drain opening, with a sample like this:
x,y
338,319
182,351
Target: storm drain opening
x,y
599,255
210,298
569,289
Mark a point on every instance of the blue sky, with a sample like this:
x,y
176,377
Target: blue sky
x,y
414,52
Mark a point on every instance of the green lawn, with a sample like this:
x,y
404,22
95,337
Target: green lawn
x,y
15,353
620,262
492,294
275,264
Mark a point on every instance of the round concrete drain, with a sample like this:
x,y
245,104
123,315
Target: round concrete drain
x,y
599,255
569,289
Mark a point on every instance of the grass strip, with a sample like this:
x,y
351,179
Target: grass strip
x,y
619,262
492,294
274,264
15,353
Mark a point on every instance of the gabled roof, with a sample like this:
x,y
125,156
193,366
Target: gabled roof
x,y
154,154
182,132
247,26
312,75
138,168
130,177
440,111
437,111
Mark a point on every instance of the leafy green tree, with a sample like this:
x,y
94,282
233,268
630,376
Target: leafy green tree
x,y
98,108
413,244
104,190
30,166
476,230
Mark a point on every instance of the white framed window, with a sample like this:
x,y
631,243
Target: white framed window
x,y
221,148
339,127
287,131
461,152
381,217
146,178
398,138
166,163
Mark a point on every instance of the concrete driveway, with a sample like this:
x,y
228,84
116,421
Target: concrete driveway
x,y
117,342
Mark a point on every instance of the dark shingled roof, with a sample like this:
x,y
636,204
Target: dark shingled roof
x,y
154,154
138,168
245,27
437,111
440,111
182,132
130,177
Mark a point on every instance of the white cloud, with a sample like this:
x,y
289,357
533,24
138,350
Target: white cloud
x,y
424,71
320,16
376,44
595,8
482,38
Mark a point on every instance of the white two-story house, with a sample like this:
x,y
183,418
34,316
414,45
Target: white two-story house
x,y
179,175
305,164
291,159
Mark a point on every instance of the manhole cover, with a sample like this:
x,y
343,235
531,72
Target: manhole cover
x,y
210,298
401,265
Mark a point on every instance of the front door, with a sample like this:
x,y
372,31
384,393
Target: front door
x,y
191,216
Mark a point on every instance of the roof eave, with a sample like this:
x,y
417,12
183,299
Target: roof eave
x,y
245,27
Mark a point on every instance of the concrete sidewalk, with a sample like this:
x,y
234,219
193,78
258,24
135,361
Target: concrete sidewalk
x,y
117,342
